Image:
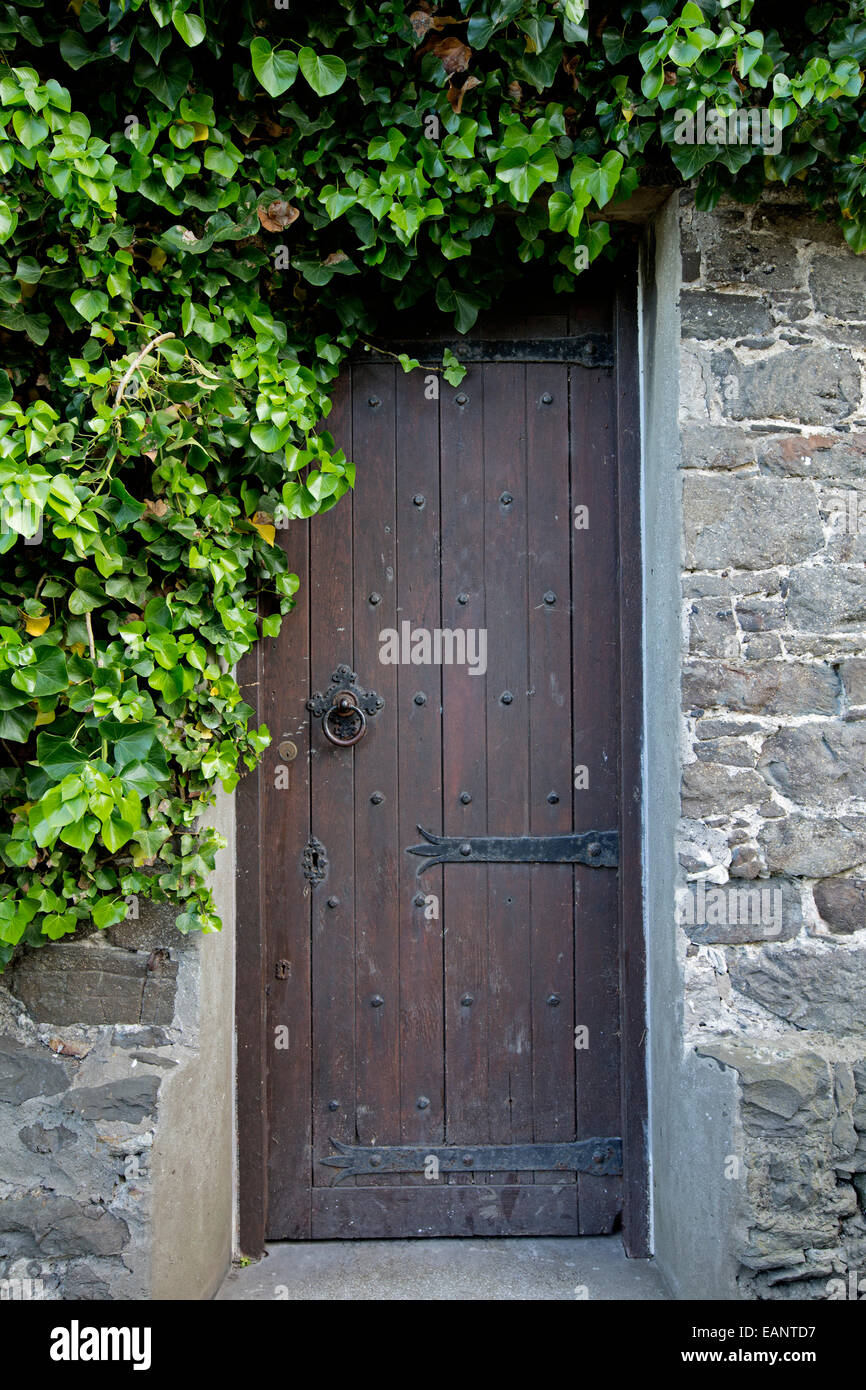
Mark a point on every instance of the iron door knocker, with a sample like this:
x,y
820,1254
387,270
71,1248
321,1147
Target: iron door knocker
x,y
344,707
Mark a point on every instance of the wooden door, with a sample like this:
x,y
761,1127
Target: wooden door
x,y
422,1017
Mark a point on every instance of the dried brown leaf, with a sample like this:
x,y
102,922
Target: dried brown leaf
x,y
421,22
456,94
454,55
277,215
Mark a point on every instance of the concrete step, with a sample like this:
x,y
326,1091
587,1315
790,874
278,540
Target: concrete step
x,y
446,1270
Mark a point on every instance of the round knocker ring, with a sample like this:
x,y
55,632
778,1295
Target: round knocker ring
x,y
344,722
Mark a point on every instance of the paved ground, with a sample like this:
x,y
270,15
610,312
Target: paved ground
x,y
452,1270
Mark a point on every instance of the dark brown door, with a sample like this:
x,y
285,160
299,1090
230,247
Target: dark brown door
x,y
422,1019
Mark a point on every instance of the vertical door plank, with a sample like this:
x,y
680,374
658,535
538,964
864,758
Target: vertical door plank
x,y
422,1025
596,748
509,927
332,819
377,1118
550,711
285,689
464,766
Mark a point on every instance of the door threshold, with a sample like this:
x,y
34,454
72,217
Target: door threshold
x,y
468,1270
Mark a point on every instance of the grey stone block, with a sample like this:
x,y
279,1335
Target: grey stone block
x,y
814,848
710,789
762,687
757,260
734,914
80,983
130,1099
853,675
838,285
748,522
819,989
811,385
24,1073
841,903
712,629
718,446
817,765
707,314
153,929
822,598
42,1224
837,456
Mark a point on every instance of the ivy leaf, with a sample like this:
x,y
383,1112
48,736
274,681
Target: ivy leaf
x,y
107,912
275,70
90,304
325,73
191,28
168,81
525,172
46,676
30,129
57,756
8,220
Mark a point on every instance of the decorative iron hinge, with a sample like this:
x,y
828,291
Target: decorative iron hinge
x,y
600,1156
597,848
582,350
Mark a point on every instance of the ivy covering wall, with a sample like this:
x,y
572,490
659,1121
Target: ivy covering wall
x,y
203,206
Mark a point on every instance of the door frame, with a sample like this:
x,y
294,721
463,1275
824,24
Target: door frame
x,y
253,1051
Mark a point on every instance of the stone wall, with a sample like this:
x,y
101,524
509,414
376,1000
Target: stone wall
x,y
773,797
116,1138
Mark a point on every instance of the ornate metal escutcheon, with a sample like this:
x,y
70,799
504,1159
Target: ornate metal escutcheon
x,y
344,707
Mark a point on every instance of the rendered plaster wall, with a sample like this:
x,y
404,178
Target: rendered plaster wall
x,y
116,1131
757,1002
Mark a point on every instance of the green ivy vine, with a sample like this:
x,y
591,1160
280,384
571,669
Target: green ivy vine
x,y
203,208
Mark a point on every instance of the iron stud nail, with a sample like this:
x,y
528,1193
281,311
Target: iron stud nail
x,y
419,900
467,1000
375,598
376,1161
377,798
420,698
506,697
468,1160
546,398
550,597
423,1102
594,849
554,1000
506,499
461,399
553,798
465,849
419,499
463,598
377,1001
333,1105
333,902
374,401
465,798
